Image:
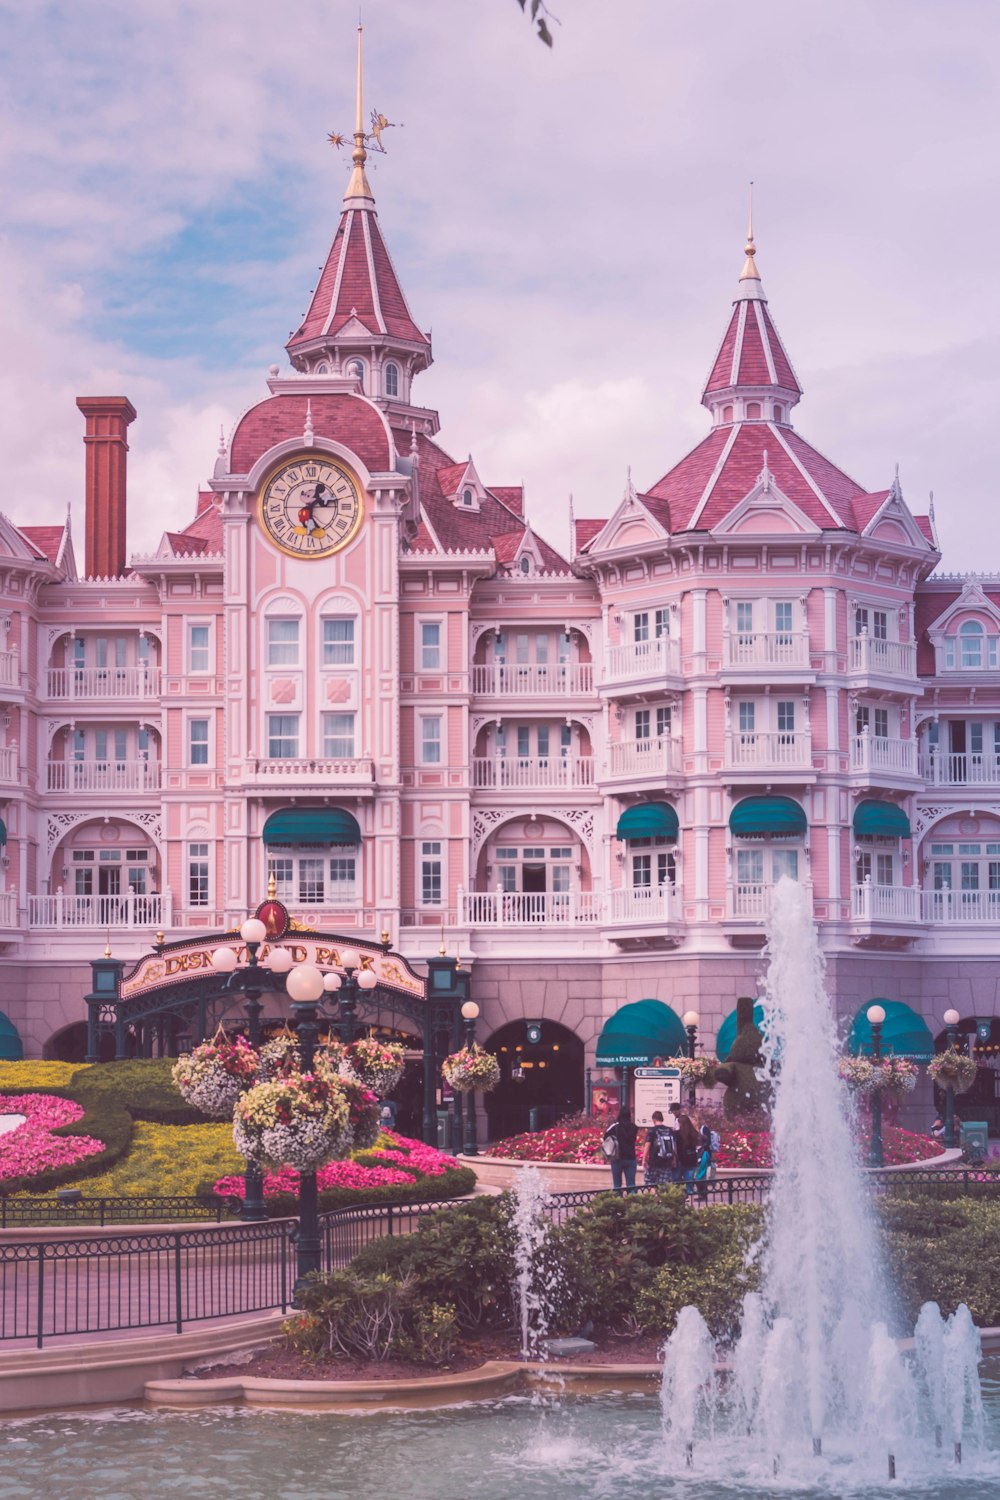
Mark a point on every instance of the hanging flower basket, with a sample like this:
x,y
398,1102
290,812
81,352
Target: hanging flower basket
x,y
378,1065
696,1070
213,1076
282,1056
472,1070
894,1077
362,1112
301,1121
953,1070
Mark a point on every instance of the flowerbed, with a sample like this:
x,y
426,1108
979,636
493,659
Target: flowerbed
x,y
31,1148
398,1162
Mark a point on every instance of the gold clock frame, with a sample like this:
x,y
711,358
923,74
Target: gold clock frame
x,y
306,457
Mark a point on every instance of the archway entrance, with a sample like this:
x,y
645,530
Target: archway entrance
x,y
981,1039
540,1082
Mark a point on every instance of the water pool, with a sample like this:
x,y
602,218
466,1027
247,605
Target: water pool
x,y
584,1448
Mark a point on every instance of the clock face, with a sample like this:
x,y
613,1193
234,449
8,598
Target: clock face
x,y
310,506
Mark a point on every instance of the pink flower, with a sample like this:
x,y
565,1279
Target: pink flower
x,y
30,1148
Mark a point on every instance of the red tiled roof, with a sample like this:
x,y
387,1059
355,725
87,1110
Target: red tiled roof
x,y
584,531
925,528
46,540
722,370
206,498
185,544
348,418
354,283
673,500
752,336
506,545
450,477
866,506
511,495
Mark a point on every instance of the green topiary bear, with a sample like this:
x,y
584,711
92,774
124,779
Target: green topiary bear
x,y
745,1094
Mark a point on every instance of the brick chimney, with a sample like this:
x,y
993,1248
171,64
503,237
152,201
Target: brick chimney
x,y
108,418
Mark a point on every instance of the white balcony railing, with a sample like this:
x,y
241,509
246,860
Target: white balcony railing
x,y
766,648
10,669
528,908
314,773
103,775
770,749
962,908
533,680
867,653
645,757
659,657
752,902
8,763
129,910
510,773
8,909
872,752
104,682
641,903
885,903
941,768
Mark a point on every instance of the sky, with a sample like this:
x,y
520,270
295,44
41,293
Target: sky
x,y
568,222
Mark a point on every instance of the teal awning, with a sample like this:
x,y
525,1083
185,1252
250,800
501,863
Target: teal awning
x,y
311,825
727,1032
882,820
11,1046
3,832
637,1033
648,820
756,816
904,1033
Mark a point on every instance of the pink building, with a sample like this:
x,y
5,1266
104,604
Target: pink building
x,y
360,670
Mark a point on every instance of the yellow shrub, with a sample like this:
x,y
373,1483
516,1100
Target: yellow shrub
x,y
164,1160
24,1077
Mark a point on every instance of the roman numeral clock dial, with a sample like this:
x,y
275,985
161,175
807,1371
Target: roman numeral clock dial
x,y
310,506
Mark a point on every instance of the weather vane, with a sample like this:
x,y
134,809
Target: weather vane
x,y
364,140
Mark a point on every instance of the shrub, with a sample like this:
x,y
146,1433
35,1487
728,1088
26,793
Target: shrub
x,y
373,1316
716,1287
947,1253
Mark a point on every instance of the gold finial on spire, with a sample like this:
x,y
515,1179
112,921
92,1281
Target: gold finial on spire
x,y
750,271
272,886
358,185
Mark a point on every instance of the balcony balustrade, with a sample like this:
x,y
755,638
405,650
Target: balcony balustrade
x,y
8,763
872,752
752,902
516,772
8,910
103,682
962,908
103,775
10,669
941,768
102,912
871,902
563,679
869,654
770,649
652,756
528,908
769,750
660,657
313,773
641,903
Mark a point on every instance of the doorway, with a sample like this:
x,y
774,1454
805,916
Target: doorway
x,y
540,1082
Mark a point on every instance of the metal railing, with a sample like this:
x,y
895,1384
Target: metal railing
x,y
68,1207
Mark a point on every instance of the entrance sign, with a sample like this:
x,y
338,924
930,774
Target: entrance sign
x,y
186,959
655,1088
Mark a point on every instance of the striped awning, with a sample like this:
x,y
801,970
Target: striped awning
x,y
885,820
316,826
648,820
755,817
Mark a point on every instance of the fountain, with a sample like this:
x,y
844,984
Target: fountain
x,y
531,1223
816,1381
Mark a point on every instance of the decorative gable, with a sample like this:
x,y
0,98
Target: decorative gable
x,y
766,510
966,635
631,525
893,522
461,484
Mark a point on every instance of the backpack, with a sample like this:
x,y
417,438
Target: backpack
x,y
609,1145
714,1141
661,1147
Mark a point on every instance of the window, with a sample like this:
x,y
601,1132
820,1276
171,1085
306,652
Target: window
x,y
744,621
881,723
197,742
664,721
356,369
430,740
661,622
642,723
640,626
874,866
970,637
338,736
282,736
198,647
779,413
748,720
430,645
197,865
282,643
783,622
873,622
468,498
115,742
753,411
523,741
392,380
656,868
310,879
525,563
430,873
786,723
338,643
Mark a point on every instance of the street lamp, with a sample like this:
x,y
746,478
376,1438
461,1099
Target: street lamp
x,y
690,1020
470,1014
951,1020
346,987
305,989
876,1157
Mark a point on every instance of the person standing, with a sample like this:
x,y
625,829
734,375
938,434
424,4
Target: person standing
x,y
659,1157
688,1145
619,1146
704,1172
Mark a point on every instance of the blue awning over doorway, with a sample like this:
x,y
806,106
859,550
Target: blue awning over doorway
x,y
311,825
755,817
637,1033
648,820
885,820
11,1046
904,1033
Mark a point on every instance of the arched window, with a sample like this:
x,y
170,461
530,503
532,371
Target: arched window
x,y
323,369
970,636
468,498
753,411
779,413
391,380
525,564
727,413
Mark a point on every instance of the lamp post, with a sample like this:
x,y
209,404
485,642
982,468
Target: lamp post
x,y
252,981
470,1014
876,1157
951,1020
690,1021
305,988
346,988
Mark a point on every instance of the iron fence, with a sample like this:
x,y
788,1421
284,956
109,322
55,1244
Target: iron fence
x,y
66,1208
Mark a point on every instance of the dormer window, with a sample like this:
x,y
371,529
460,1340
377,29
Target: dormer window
x,y
525,563
391,380
468,498
753,411
323,369
972,650
727,413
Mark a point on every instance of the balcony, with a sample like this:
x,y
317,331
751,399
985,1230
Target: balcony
x,y
317,775
653,757
101,912
641,903
770,750
885,903
8,910
870,657
103,776
636,661
944,769
8,763
752,903
962,908
569,679
517,773
528,908
10,669
100,683
766,651
876,754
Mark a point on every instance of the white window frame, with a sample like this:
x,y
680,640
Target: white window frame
x,y
425,741
434,622
273,648
430,853
193,651
325,645
271,737
190,743
193,856
327,735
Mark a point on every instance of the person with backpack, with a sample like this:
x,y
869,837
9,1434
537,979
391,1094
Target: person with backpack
x,y
688,1146
659,1157
704,1172
619,1146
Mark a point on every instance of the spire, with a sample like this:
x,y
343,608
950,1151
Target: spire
x,y
358,185
750,271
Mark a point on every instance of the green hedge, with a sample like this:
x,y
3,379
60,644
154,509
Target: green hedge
x,y
945,1252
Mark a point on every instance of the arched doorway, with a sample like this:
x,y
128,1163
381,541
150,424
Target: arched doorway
x,y
70,1045
540,1081
980,1038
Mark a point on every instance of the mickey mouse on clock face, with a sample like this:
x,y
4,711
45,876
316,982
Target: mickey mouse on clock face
x,y
322,499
